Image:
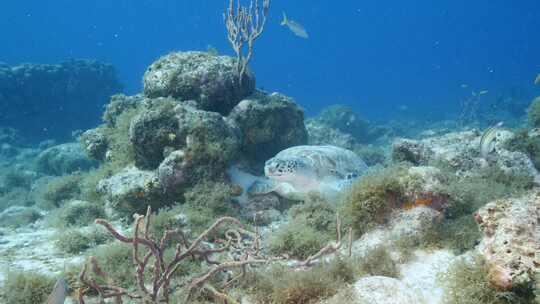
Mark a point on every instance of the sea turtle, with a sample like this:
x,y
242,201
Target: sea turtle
x,y
299,170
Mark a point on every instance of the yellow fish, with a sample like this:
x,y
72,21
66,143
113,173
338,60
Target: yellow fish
x,y
487,141
537,79
295,27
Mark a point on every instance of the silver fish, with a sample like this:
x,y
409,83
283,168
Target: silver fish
x,y
295,27
59,293
487,141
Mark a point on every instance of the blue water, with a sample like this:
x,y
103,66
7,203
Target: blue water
x,y
373,55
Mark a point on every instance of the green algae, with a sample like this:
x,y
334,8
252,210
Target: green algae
x,y
279,285
368,202
467,282
60,190
311,226
25,287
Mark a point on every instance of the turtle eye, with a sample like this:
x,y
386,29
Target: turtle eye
x,y
278,167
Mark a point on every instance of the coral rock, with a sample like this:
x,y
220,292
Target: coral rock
x,y
152,131
173,173
422,187
60,97
131,190
269,124
208,79
119,104
64,159
94,143
165,125
511,242
460,150
322,134
411,151
345,120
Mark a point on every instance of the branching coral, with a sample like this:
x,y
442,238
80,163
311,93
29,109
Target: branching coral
x,y
244,26
239,249
331,247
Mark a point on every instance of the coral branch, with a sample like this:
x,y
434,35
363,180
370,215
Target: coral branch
x,y
331,247
244,26
154,282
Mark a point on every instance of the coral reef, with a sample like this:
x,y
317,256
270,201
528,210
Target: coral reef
x,y
193,147
460,151
175,136
510,243
61,97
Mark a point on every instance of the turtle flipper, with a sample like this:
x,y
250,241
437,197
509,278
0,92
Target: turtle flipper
x,y
260,187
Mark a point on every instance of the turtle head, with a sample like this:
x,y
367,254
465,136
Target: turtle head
x,y
286,169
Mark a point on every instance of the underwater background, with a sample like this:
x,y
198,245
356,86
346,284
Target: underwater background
x,y
360,54
382,152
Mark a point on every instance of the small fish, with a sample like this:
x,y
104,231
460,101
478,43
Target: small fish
x,y
537,79
58,295
464,85
295,27
487,141
479,93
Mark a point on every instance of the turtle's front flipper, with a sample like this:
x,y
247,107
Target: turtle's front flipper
x,y
260,187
